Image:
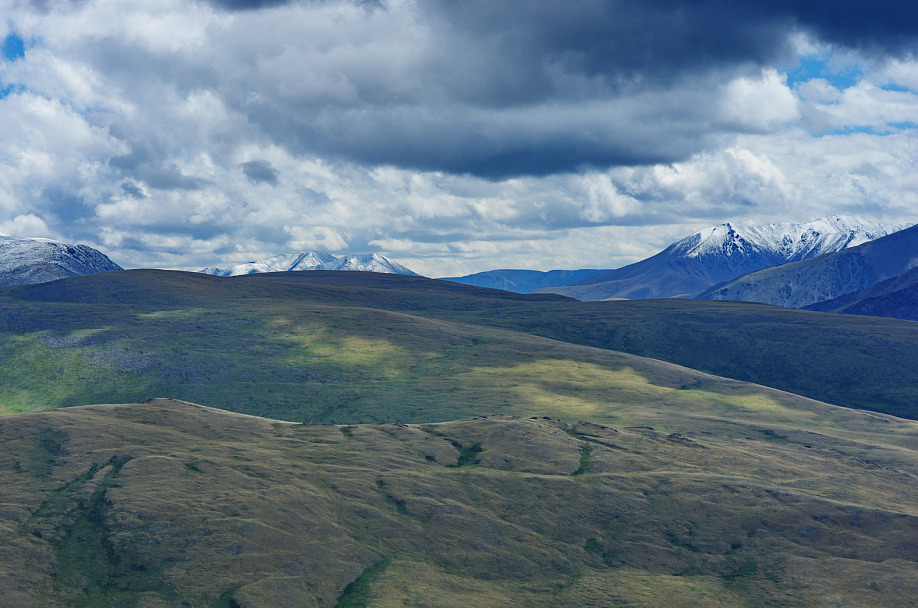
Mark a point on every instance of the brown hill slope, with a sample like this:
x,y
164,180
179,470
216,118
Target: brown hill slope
x,y
172,504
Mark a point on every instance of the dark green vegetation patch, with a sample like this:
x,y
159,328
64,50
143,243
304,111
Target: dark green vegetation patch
x,y
49,448
363,347
357,592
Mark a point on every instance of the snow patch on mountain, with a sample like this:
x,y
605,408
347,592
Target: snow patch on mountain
x,y
723,253
788,241
25,261
313,260
826,277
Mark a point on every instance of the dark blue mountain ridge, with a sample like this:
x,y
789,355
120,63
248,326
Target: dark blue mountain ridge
x,y
522,281
896,298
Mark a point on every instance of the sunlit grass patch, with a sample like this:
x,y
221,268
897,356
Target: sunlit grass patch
x,y
751,403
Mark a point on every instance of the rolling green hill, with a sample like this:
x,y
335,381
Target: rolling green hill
x,y
359,347
169,504
490,450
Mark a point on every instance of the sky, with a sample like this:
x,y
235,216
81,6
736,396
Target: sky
x,y
453,136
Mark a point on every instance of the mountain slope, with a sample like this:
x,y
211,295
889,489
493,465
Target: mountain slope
x,y
523,281
826,277
896,297
722,253
313,260
31,260
168,503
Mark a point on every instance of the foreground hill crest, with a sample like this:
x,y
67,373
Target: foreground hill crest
x,y
168,503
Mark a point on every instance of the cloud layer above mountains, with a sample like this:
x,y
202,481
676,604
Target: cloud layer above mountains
x,y
451,136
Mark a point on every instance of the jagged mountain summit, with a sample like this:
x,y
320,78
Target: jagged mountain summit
x,y
304,260
723,253
827,277
24,261
313,260
786,241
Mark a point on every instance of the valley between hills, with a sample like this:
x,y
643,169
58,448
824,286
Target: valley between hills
x,y
398,441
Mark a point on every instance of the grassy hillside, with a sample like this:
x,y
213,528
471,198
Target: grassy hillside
x,y
289,359
519,465
861,362
357,347
172,504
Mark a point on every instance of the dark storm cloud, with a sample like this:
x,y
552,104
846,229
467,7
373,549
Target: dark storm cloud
x,y
536,87
647,43
483,87
890,26
618,40
261,172
603,35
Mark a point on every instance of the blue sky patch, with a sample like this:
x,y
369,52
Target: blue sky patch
x,y
13,48
10,89
904,126
820,66
891,128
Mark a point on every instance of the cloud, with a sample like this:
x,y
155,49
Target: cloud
x,y
29,225
260,172
760,103
132,190
247,5
886,27
493,89
452,132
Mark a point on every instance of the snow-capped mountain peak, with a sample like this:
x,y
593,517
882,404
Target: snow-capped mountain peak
x,y
301,260
723,253
789,242
37,260
369,263
313,260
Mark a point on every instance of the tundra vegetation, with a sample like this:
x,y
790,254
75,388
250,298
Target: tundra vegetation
x,y
361,347
470,460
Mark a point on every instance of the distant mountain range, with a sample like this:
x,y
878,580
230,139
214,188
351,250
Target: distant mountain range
x,y
723,253
523,281
837,264
313,260
843,281
24,261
